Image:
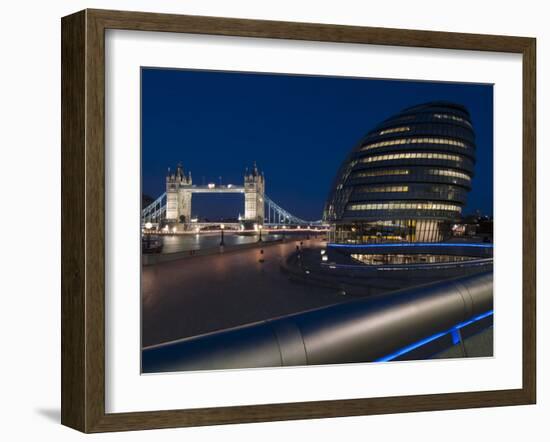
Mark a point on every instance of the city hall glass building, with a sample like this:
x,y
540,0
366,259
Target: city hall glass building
x,y
406,180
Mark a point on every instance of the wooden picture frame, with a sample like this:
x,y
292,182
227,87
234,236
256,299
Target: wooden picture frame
x,y
83,216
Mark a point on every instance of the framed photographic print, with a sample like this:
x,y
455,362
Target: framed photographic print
x,y
270,220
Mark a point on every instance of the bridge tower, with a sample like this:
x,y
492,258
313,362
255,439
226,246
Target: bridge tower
x,y
254,196
178,196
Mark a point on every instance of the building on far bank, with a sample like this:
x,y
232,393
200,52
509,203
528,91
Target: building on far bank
x,y
407,179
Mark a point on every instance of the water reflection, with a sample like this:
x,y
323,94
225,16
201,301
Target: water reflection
x,y
182,243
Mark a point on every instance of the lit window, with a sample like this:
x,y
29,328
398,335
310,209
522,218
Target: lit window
x,y
452,117
374,173
438,156
376,189
404,206
416,140
395,130
449,172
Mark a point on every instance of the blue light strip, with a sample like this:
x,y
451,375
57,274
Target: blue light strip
x,y
413,244
455,334
453,331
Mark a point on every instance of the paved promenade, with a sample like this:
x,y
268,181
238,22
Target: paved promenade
x,y
207,293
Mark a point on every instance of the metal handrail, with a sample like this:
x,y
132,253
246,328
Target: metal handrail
x,y
362,330
421,266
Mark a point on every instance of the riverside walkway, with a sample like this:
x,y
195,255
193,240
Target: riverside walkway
x,y
207,293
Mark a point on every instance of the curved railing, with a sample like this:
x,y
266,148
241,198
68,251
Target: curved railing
x,y
363,330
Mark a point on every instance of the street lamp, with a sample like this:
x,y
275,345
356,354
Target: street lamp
x,y
222,227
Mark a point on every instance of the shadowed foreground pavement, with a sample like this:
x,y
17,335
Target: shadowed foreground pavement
x,y
208,293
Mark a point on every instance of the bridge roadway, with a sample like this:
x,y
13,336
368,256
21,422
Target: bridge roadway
x,y
208,293
215,188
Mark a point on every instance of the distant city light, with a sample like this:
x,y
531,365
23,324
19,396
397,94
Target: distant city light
x,y
211,185
148,225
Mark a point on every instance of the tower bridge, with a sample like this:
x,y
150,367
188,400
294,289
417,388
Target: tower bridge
x,y
174,207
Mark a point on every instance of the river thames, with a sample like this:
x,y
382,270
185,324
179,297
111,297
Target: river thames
x,y
210,240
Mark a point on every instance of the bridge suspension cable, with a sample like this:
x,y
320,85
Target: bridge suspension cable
x,y
274,214
154,212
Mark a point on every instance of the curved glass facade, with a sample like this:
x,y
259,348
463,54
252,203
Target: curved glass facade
x,y
407,179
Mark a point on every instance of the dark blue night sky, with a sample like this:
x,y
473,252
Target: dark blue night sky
x,y
297,128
